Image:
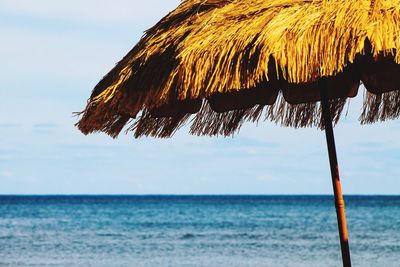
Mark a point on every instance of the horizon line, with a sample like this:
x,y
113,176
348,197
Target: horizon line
x,y
189,195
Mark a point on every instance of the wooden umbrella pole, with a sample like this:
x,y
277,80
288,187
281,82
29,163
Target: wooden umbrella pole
x,y
337,189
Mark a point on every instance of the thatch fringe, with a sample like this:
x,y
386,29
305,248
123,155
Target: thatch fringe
x,y
205,47
304,115
380,107
147,125
209,122
102,117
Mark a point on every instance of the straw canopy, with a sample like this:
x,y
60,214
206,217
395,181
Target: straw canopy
x,y
215,64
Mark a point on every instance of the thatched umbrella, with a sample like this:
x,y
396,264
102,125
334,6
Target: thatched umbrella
x,y
215,64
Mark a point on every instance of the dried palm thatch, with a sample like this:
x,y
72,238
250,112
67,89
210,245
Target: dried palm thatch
x,y
231,61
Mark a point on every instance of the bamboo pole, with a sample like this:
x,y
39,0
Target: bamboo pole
x,y
334,166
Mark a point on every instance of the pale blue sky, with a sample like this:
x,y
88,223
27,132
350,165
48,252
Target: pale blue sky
x,y
53,53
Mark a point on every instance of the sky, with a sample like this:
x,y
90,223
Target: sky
x,y
54,52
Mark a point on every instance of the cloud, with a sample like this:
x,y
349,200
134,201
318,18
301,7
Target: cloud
x,y
45,126
91,11
8,125
51,55
70,39
6,174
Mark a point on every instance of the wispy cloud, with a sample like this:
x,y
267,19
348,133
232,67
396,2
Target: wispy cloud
x,y
74,38
67,55
8,125
6,174
93,11
45,126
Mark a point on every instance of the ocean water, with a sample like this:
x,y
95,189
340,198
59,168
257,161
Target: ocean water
x,y
195,231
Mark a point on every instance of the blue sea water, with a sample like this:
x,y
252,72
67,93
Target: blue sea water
x,y
195,231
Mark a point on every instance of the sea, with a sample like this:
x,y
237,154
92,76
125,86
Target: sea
x,y
196,231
